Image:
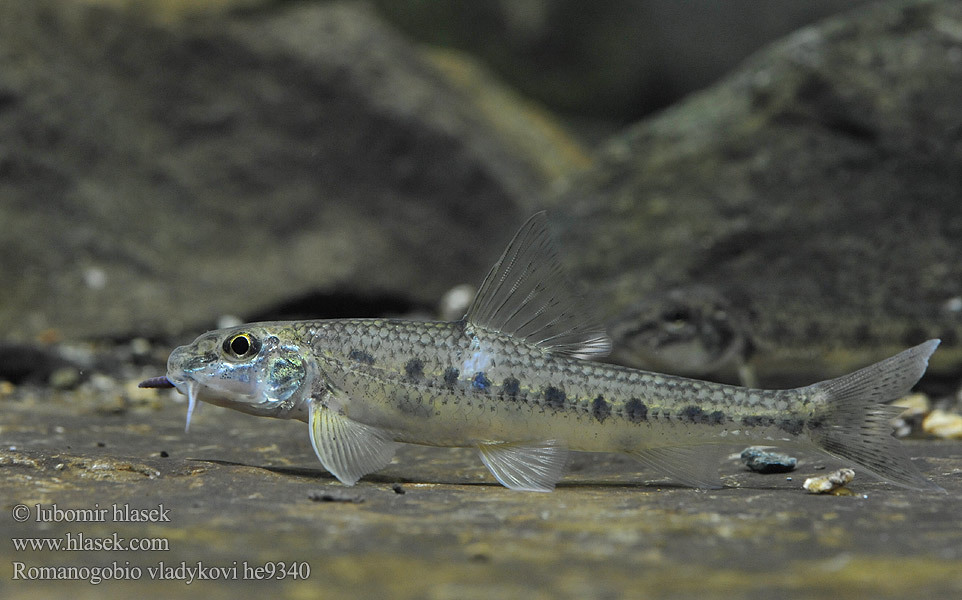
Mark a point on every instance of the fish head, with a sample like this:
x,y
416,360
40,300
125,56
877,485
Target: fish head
x,y
257,369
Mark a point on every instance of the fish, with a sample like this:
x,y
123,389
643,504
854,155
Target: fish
x,y
517,378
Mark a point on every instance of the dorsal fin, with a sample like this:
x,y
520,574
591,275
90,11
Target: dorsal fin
x,y
527,295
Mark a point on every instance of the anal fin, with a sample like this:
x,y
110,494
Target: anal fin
x,y
696,466
526,467
348,450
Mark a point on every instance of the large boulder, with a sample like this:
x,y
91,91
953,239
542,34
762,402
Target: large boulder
x,y
615,60
802,217
156,173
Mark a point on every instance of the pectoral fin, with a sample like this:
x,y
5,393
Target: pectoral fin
x,y
528,468
348,450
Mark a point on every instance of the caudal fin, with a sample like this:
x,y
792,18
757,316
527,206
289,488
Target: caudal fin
x,y
854,422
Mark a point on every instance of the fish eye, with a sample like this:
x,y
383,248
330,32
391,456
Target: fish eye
x,y
241,345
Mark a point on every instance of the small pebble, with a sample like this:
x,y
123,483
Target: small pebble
x,y
761,460
140,346
95,278
65,378
225,321
943,424
830,483
455,302
103,383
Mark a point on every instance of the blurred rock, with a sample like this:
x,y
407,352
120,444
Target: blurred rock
x,y
815,190
35,363
613,59
156,173
943,424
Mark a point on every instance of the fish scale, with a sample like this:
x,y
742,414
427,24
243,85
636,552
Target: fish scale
x,y
513,379
580,382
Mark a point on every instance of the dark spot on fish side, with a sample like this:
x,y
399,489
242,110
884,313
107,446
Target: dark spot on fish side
x,y
636,411
511,387
361,357
414,368
692,413
480,381
451,376
554,397
791,426
756,421
717,417
600,409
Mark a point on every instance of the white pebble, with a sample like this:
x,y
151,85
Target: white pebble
x,y
829,483
95,278
225,321
455,302
943,424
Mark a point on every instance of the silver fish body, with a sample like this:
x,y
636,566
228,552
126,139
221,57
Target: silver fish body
x,y
447,384
512,380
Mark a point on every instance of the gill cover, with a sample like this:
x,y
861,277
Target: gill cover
x,y
278,371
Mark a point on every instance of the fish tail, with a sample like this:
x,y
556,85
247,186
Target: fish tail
x,y
852,420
